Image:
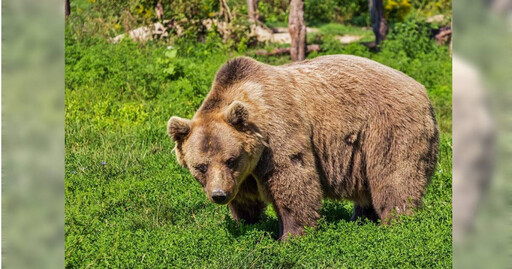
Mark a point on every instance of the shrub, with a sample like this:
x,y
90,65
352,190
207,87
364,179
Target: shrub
x,y
396,10
354,11
411,37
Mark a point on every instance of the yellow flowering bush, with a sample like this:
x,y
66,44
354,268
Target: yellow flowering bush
x,y
396,10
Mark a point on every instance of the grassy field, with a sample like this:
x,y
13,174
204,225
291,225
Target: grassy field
x,y
130,205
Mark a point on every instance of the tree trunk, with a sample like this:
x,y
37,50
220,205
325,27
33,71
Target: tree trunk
x,y
297,29
252,9
67,8
378,18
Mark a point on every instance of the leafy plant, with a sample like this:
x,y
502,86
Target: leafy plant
x,y
169,64
396,10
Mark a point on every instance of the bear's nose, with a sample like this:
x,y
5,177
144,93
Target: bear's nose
x,y
219,196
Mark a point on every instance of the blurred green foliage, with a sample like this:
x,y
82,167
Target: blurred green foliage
x,y
396,10
109,18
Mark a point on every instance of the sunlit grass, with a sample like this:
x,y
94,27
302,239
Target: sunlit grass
x,y
129,204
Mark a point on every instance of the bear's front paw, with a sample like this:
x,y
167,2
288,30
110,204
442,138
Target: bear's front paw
x,y
290,233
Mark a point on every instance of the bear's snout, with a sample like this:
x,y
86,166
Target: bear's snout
x,y
219,196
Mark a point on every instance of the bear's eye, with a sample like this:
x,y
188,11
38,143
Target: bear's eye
x,y
231,162
201,168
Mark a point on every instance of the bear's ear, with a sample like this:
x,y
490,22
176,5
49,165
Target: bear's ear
x,y
178,128
237,114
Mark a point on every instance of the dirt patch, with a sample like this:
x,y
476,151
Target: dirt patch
x,y
347,39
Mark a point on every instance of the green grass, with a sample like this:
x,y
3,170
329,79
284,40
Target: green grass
x,y
130,205
345,29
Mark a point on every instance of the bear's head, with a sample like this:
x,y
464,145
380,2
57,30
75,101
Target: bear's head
x,y
220,150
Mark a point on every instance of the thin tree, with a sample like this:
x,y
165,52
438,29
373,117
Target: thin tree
x,y
159,10
297,29
252,10
378,19
67,8
225,11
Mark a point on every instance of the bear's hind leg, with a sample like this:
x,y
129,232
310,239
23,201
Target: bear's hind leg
x,y
390,201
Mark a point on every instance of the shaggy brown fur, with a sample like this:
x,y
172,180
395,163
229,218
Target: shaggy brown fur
x,y
339,126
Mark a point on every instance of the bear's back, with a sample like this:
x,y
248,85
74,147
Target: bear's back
x,y
344,86
352,73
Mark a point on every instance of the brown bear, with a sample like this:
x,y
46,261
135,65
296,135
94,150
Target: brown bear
x,y
339,126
